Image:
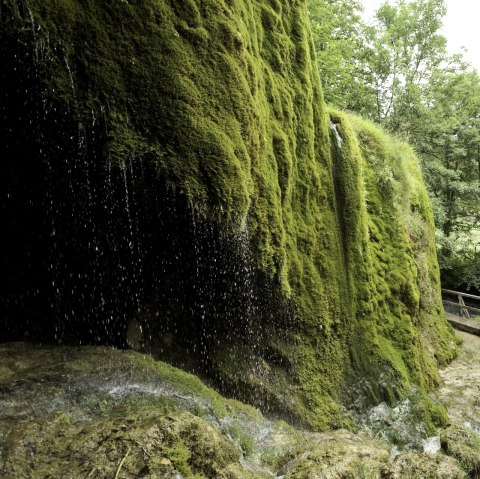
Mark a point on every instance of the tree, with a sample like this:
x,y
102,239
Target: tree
x,y
405,50
378,70
448,138
338,33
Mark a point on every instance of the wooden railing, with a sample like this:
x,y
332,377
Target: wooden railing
x,y
464,310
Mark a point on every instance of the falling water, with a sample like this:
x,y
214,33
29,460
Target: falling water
x,y
110,245
70,75
96,247
35,30
338,139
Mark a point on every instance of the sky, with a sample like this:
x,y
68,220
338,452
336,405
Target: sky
x,y
461,26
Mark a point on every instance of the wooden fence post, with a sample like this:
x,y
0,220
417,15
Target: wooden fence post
x,y
463,309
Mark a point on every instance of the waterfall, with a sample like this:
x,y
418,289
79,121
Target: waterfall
x,y
338,139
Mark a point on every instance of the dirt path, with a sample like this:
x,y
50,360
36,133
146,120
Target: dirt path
x,y
461,389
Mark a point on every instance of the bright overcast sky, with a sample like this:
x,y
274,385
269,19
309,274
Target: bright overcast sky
x,y
461,26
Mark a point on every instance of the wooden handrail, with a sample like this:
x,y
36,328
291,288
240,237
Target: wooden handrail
x,y
457,293
471,308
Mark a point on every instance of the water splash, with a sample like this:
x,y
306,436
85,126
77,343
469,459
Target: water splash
x,y
432,445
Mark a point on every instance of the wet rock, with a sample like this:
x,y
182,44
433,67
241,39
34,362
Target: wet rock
x,y
403,425
86,409
158,445
460,390
340,454
432,445
5,373
422,466
135,337
79,409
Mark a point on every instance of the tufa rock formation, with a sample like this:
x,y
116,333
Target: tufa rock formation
x,y
173,160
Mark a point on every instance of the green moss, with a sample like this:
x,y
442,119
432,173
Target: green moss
x,y
330,458
240,437
52,422
160,445
438,417
422,466
464,445
396,286
78,422
224,97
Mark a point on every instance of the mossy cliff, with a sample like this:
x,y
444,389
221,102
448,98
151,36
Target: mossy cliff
x,y
223,98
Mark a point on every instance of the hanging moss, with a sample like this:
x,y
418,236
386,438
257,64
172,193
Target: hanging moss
x,y
402,334
224,97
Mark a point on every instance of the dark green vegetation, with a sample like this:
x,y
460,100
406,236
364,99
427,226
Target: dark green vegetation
x,y
222,100
452,169
396,71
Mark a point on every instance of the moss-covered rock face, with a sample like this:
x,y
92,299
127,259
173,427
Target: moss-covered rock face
x,y
99,412
464,445
222,101
399,317
104,413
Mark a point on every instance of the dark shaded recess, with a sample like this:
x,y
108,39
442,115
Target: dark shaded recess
x,y
89,246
